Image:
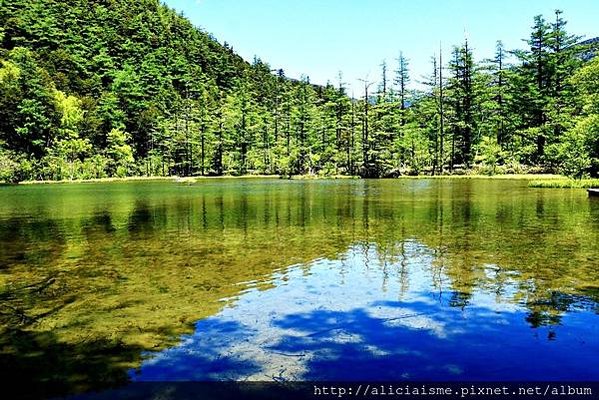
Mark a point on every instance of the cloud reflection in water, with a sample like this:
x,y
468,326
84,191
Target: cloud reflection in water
x,y
362,317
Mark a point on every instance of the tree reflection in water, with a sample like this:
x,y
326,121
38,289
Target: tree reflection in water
x,y
95,277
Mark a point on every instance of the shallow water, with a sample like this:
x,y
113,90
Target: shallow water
x,y
476,279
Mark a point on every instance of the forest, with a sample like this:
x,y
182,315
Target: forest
x,y
115,88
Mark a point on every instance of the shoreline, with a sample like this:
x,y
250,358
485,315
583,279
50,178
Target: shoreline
x,y
143,179
190,179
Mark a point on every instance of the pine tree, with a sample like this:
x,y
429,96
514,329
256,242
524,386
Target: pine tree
x,y
463,99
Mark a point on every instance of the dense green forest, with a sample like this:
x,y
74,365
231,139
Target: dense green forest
x,y
92,89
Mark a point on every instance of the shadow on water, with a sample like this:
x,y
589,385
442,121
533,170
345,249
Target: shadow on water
x,y
35,242
40,365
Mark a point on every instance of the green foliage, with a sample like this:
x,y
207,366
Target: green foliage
x,y
564,183
120,154
490,154
582,140
578,152
134,88
9,167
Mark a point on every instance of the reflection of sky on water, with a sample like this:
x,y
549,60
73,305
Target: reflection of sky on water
x,y
363,317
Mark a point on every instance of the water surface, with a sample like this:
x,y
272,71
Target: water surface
x,y
104,284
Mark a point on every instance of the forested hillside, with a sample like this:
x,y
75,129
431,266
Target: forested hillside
x,y
92,89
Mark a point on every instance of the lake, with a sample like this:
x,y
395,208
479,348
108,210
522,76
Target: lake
x,y
276,280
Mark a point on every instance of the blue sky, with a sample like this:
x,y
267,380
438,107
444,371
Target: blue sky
x,y
319,38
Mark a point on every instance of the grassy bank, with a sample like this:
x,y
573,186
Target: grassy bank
x,y
544,177
564,183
